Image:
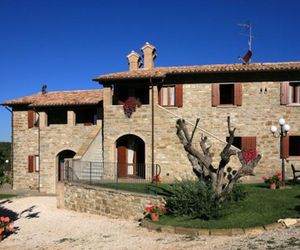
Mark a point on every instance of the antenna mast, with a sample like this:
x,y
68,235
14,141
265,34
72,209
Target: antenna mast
x,y
248,27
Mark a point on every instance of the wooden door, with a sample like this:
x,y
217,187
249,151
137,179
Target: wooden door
x,y
122,161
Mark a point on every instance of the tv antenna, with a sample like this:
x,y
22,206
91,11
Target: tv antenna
x,y
248,28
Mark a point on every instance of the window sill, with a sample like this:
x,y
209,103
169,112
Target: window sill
x,y
227,106
293,158
293,105
169,107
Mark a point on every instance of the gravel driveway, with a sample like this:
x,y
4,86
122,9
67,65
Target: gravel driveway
x,y
40,225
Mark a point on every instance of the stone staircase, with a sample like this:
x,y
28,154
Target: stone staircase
x,y
89,139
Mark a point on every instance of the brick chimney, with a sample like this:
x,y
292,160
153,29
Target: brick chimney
x,y
149,54
134,60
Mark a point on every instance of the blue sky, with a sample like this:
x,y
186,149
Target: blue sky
x,y
64,44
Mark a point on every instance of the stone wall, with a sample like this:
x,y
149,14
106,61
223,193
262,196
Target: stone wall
x,y
48,142
25,144
258,112
112,203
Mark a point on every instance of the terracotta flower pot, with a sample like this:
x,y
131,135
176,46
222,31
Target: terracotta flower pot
x,y
154,217
273,186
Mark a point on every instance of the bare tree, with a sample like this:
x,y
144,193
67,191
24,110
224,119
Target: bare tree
x,y
202,161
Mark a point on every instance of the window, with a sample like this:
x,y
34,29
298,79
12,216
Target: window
x,y
291,146
86,116
294,93
33,163
246,143
170,95
37,163
33,119
290,93
123,92
226,94
57,116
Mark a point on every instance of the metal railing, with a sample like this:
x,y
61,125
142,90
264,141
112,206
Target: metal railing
x,y
109,172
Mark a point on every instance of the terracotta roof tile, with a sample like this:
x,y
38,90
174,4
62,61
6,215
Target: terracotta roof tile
x,y
60,98
161,72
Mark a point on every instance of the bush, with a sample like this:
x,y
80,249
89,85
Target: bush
x,y
193,198
238,193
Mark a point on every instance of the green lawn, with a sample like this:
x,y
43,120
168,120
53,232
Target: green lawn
x,y
262,206
6,196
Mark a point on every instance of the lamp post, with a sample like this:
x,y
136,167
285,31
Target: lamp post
x,y
284,129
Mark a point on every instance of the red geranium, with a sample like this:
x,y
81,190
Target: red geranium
x,y
249,155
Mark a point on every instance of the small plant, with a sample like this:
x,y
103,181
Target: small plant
x,y
130,106
5,226
238,193
275,179
157,210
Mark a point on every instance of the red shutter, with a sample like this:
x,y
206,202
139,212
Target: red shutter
x,y
284,93
248,143
30,118
178,95
215,94
159,89
30,163
238,94
285,147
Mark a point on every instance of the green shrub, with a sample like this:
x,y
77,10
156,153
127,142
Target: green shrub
x,y
238,193
193,198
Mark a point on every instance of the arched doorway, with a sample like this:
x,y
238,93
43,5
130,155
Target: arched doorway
x,y
62,156
130,156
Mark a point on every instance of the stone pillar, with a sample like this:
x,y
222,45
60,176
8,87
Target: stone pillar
x,y
107,96
71,118
43,119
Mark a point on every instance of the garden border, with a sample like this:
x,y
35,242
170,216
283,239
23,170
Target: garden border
x,y
210,232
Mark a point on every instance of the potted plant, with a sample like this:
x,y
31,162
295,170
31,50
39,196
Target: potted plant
x,y
274,181
155,211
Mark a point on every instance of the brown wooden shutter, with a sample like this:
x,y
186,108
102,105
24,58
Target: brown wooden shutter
x,y
30,163
215,94
159,89
178,95
285,147
238,94
31,120
284,93
248,143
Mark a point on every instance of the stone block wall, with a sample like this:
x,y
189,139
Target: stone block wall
x,y
108,202
25,144
47,142
258,112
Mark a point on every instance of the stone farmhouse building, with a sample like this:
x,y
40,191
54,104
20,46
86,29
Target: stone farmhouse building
x,y
91,126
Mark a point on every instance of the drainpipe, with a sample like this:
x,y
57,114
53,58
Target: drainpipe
x,y
39,149
12,145
152,127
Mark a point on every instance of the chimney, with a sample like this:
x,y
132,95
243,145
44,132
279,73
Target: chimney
x,y
149,55
134,60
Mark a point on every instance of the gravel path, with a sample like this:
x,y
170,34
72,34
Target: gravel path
x,y
40,225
